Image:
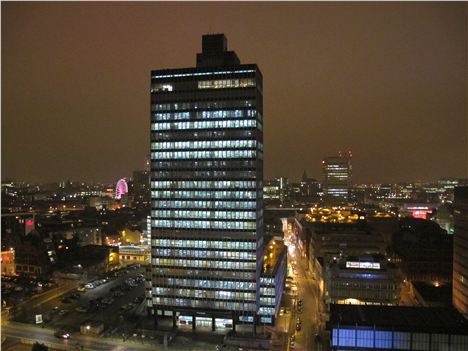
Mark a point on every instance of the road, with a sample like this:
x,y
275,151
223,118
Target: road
x,y
308,290
26,332
188,341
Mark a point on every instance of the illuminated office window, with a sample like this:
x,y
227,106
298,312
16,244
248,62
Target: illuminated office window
x,y
226,83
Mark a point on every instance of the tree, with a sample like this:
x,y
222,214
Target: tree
x,y
39,347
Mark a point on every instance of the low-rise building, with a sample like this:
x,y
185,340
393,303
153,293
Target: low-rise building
x,y
364,280
134,254
31,256
396,328
329,240
423,251
8,262
97,259
272,281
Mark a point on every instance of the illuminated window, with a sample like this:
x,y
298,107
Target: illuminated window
x,y
204,125
161,87
226,83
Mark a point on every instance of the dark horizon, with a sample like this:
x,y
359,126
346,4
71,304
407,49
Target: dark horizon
x,y
387,81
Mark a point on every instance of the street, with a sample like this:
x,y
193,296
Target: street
x,y
310,333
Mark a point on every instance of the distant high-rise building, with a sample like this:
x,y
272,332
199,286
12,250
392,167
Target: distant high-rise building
x,y
460,251
206,189
275,189
337,178
141,182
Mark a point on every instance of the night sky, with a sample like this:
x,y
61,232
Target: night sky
x,y
385,80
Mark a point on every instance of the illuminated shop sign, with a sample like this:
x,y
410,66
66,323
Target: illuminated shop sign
x,y
363,265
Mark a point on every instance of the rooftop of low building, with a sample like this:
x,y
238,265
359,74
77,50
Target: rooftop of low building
x,y
424,319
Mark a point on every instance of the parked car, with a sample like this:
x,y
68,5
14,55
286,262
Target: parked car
x,y
81,309
74,296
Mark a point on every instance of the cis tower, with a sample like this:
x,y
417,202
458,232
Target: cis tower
x,y
206,189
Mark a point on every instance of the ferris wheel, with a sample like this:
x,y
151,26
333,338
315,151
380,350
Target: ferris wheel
x,y
121,188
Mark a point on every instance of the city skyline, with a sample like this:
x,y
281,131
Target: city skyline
x,y
387,81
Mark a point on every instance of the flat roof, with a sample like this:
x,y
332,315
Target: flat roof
x,y
422,319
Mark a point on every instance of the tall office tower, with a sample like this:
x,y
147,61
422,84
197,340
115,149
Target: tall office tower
x,y
206,189
460,251
336,178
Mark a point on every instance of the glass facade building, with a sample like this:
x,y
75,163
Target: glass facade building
x,y
206,187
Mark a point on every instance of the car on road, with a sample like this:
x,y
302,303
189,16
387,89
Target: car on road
x,y
90,286
62,334
81,309
63,312
292,340
107,300
298,324
81,289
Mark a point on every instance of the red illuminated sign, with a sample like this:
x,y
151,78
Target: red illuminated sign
x,y
420,214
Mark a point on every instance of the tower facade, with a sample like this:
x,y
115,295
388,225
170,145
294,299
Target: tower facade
x,y
206,188
336,184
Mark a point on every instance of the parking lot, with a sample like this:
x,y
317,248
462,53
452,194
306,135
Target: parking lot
x,y
111,299
18,289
